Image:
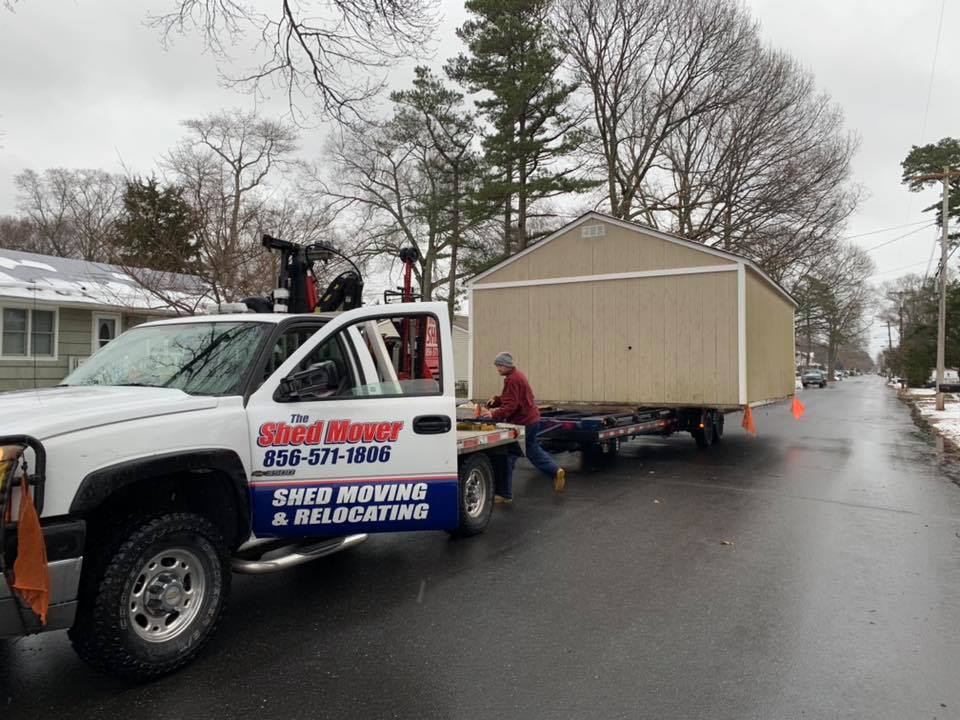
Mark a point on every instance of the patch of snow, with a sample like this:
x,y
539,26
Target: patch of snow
x,y
122,277
38,265
8,263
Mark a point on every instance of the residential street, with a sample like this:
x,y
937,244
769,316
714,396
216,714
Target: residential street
x,y
837,596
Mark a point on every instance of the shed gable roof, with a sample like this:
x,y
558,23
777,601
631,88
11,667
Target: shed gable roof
x,y
595,216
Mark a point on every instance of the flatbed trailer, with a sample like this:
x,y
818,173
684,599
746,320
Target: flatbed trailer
x,y
599,433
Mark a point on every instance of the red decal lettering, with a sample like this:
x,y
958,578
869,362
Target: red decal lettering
x,y
337,431
395,430
283,434
266,434
383,432
315,434
297,433
354,433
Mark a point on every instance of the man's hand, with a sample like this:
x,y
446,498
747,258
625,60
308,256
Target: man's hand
x,y
485,413
492,402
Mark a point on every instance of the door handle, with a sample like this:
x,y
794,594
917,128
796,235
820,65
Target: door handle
x,y
431,424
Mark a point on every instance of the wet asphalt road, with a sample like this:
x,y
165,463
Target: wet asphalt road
x,y
839,597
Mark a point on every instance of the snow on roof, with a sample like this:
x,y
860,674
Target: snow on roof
x,y
65,281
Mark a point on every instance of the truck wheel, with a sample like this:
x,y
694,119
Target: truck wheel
x,y
151,598
718,428
476,495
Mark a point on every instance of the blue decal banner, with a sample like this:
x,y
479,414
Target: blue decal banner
x,y
364,505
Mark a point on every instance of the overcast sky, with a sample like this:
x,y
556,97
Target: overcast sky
x,y
88,85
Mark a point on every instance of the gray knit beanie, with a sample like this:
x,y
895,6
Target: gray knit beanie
x,y
505,359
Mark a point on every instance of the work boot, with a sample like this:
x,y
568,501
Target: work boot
x,y
560,480
501,500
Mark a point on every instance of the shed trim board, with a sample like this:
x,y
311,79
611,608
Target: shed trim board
x,y
742,330
697,270
636,227
470,344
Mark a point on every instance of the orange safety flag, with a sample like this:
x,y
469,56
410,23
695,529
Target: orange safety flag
x,y
31,576
747,423
798,408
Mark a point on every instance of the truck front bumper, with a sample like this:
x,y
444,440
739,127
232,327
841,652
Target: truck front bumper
x,y
65,539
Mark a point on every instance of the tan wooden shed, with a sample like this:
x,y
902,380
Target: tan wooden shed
x,y
609,312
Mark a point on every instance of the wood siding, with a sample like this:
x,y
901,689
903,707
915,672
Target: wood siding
x,y
653,340
618,250
770,341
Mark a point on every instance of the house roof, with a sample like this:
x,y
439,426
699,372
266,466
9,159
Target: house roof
x,y
630,225
65,281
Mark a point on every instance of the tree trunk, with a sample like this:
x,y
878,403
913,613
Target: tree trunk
x,y
454,246
508,213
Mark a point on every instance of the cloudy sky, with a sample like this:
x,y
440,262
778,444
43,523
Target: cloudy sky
x,y
89,85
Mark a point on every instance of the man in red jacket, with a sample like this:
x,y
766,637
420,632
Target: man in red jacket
x,y
516,405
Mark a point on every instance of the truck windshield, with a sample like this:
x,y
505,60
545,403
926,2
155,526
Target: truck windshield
x,y
199,358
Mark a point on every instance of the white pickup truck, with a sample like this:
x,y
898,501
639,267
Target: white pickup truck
x,y
191,447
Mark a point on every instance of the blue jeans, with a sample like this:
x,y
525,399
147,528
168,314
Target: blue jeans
x,y
537,456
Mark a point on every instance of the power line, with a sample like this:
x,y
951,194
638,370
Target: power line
x,y
882,230
887,272
900,237
933,72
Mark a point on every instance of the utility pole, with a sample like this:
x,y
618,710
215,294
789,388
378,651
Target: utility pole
x,y
944,177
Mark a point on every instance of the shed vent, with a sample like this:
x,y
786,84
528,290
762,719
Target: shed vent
x,y
592,231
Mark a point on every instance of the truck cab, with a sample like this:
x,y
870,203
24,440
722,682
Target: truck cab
x,y
191,448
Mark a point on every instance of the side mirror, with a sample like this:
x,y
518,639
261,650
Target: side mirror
x,y
314,382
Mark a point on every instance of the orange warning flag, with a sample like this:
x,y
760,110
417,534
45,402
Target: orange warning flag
x,y
31,576
798,408
747,423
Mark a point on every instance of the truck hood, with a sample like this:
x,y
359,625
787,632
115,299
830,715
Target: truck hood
x,y
55,411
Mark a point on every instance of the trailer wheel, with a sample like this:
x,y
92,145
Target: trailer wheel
x,y
718,428
152,596
704,436
603,452
475,495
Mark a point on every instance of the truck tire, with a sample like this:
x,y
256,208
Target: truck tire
x,y
475,495
151,596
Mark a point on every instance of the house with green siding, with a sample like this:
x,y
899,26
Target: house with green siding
x,y
56,312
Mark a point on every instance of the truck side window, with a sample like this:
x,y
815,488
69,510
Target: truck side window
x,y
332,349
400,356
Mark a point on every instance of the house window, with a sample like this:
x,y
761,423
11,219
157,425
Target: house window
x,y
28,333
105,329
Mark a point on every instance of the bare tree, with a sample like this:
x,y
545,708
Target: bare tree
x,y
767,177
72,211
314,49
650,66
224,164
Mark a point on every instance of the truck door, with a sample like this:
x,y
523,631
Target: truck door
x,y
340,444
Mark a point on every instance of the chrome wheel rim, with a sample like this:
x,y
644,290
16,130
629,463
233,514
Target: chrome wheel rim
x,y
474,493
166,595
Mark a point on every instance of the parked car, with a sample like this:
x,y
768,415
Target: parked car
x,y
814,377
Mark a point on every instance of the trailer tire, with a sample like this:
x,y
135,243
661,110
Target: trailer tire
x,y
134,618
475,495
603,452
704,436
718,428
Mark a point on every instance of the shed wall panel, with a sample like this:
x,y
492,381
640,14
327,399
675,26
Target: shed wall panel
x,y
618,250
770,342
659,340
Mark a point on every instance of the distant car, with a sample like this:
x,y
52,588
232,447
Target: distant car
x,y
838,374
814,377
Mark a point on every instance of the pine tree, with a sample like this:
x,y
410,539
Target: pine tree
x,y
514,61
157,229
